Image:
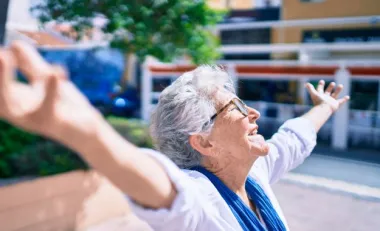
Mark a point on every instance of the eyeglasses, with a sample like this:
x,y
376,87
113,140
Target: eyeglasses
x,y
239,105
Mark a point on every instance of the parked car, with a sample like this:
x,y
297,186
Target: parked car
x,y
126,103
96,72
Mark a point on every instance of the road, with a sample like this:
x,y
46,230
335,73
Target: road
x,y
325,193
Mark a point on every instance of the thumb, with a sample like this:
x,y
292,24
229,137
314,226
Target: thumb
x,y
51,89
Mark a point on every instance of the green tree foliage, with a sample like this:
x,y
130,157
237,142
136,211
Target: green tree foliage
x,y
164,29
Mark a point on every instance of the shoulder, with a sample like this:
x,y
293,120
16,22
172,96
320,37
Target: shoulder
x,y
193,182
205,188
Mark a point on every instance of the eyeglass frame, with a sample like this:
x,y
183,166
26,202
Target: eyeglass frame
x,y
242,110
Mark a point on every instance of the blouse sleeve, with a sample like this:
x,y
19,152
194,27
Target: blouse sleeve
x,y
186,210
289,147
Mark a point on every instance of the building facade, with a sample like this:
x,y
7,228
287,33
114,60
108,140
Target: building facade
x,y
278,31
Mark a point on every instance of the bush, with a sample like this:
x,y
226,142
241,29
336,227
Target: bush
x,y
25,154
12,141
45,158
134,130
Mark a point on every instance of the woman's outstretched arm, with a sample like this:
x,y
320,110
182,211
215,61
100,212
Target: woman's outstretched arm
x,y
296,138
52,106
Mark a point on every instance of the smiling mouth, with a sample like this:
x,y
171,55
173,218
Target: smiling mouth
x,y
254,131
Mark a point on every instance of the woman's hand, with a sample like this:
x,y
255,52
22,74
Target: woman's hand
x,y
328,97
52,106
49,104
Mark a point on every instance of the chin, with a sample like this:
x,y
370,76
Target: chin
x,y
258,145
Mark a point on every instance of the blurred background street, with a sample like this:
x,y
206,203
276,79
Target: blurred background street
x,y
122,56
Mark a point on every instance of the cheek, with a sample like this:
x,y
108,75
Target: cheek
x,y
232,132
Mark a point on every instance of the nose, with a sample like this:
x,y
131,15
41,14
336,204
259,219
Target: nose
x,y
253,114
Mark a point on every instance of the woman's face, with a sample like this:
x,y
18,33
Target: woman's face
x,y
235,134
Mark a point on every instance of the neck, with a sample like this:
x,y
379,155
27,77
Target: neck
x,y
232,173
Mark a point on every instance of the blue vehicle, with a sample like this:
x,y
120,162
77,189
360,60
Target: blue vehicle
x,y
96,72
125,104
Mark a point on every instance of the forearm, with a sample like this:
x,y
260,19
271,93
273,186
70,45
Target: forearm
x,y
319,115
133,172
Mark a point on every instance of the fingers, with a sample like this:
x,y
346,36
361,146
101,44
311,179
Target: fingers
x,y
51,87
51,93
343,100
337,91
7,72
59,72
330,88
30,62
321,86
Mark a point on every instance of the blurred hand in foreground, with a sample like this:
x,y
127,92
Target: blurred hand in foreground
x,y
48,104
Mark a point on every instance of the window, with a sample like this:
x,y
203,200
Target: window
x,y
246,36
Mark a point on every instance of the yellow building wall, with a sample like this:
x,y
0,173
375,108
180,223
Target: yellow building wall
x,y
233,4
241,4
217,4
295,9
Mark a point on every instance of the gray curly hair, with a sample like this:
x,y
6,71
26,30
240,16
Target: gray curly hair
x,y
184,108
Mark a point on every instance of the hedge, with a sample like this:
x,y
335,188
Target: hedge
x,y
24,154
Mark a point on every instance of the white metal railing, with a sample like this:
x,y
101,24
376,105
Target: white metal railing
x,y
364,119
363,127
370,20
299,47
344,122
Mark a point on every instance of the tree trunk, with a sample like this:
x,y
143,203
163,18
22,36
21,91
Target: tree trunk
x,y
129,74
3,19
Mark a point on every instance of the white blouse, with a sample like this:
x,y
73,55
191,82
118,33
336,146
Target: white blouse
x,y
198,206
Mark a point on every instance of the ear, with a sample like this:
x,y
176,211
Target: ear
x,y
201,144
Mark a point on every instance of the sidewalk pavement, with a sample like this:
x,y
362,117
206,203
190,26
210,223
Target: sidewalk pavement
x,y
315,209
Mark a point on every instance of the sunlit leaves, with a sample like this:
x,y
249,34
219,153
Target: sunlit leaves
x,y
166,30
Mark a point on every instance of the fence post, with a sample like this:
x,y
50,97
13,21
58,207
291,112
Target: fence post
x,y
146,98
340,120
301,91
378,96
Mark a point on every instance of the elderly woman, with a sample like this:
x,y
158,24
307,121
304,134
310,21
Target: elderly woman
x,y
199,125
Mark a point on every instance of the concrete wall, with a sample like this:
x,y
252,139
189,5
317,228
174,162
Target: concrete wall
x,y
71,201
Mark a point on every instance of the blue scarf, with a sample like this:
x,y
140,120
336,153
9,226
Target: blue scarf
x,y
245,216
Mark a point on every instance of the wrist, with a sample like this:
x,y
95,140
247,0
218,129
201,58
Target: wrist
x,y
327,108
